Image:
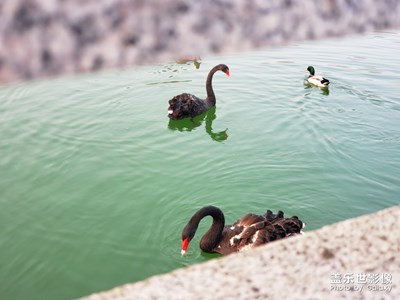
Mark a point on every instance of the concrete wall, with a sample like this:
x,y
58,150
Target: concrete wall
x,y
49,37
302,267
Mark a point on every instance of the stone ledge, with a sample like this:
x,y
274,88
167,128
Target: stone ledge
x,y
296,268
41,38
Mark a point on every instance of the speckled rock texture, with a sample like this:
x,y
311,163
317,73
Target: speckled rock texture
x,y
40,38
360,253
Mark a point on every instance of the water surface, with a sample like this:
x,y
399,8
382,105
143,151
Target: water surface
x,y
97,183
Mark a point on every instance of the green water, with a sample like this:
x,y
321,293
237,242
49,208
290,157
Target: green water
x,y
96,183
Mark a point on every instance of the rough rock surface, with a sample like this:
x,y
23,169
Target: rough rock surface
x,y
48,37
360,253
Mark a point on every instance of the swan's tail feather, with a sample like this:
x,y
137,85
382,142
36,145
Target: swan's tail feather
x,y
284,226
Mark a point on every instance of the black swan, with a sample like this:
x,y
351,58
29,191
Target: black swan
x,y
248,232
187,105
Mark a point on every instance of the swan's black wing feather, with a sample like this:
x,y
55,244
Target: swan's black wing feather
x,y
186,105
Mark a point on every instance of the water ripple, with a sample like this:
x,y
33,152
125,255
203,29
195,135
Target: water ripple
x,y
97,183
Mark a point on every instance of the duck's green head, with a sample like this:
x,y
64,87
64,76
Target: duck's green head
x,y
311,70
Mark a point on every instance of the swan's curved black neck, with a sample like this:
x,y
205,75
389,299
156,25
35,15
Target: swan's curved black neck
x,y
214,235
209,88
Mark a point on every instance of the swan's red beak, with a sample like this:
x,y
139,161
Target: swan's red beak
x,y
227,73
185,245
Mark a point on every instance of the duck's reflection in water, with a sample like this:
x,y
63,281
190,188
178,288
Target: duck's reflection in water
x,y
324,90
189,124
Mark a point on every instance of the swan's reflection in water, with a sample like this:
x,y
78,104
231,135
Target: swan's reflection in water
x,y
189,124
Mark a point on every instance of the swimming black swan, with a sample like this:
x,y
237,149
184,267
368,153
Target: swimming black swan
x,y
187,105
248,232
